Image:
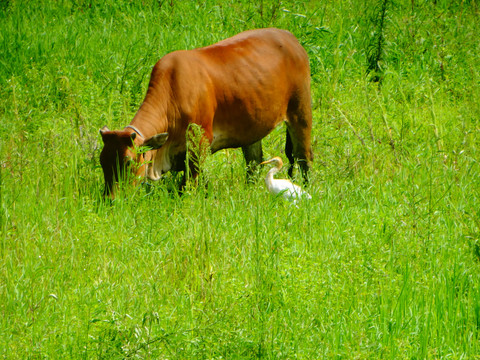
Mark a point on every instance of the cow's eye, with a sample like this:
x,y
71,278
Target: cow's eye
x,y
128,161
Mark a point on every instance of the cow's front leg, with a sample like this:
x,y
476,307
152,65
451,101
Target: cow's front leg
x,y
253,156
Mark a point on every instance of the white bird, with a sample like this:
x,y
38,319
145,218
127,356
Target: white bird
x,y
289,190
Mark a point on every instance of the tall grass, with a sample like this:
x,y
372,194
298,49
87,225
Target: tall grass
x,y
383,262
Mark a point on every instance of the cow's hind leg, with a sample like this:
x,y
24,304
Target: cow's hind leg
x,y
289,153
253,156
299,128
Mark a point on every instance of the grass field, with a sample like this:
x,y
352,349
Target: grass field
x,y
383,262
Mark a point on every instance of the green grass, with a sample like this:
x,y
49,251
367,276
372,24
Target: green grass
x,y
383,262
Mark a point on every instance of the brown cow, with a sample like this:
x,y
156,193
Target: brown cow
x,y
238,90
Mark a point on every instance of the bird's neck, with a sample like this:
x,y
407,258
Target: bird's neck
x,y
269,179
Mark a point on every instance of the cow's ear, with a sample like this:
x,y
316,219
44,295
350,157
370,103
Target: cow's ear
x,y
103,131
156,141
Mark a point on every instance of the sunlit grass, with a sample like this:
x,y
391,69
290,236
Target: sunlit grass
x,y
383,262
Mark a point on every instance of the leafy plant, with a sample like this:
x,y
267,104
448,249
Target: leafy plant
x,y
198,149
376,47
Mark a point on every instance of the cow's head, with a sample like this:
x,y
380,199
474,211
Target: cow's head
x,y
120,158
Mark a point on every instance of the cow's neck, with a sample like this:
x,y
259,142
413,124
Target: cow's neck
x,y
151,118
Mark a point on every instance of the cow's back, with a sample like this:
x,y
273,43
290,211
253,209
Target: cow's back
x,y
253,76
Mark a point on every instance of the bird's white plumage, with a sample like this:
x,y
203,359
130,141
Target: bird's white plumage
x,y
286,188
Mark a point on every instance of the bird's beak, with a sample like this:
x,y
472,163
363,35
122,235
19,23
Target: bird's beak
x,y
266,162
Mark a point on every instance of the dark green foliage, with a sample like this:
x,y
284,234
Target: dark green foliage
x,y
376,47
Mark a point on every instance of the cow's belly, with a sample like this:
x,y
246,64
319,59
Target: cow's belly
x,y
222,140
233,137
